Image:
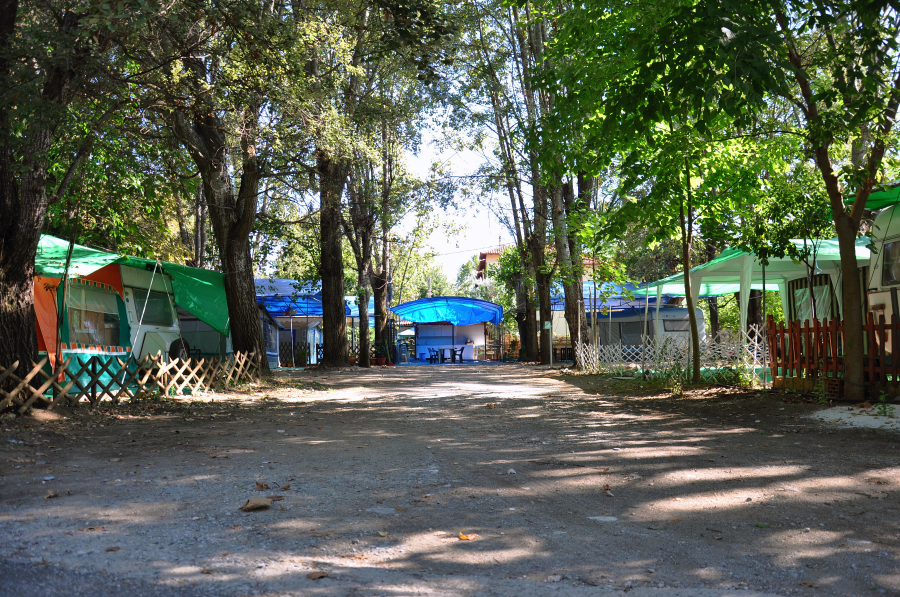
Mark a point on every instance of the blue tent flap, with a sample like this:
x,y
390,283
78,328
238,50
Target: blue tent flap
x,y
458,310
288,298
618,296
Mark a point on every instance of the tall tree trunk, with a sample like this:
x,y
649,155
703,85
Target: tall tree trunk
x,y
23,191
365,348
379,292
712,250
570,275
530,329
359,230
686,222
232,216
332,179
543,279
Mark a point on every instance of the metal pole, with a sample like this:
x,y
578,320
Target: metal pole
x,y
577,335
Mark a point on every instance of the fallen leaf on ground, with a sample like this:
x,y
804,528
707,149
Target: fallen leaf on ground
x,y
607,487
206,571
320,428
238,527
604,471
400,509
115,459
811,585
675,520
113,548
877,481
490,405
762,525
285,487
866,404
261,486
382,534
317,574
469,537
256,504
51,494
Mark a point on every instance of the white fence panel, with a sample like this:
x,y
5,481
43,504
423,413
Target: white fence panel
x,y
730,361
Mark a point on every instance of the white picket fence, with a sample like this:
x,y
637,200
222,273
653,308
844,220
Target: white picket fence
x,y
737,361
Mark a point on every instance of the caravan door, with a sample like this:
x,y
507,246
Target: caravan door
x,y
151,313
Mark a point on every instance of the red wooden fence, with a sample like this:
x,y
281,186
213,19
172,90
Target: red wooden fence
x,y
816,349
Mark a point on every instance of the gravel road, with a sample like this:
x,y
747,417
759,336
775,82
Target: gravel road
x,y
379,479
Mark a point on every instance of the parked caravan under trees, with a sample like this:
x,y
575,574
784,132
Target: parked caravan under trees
x,y
114,306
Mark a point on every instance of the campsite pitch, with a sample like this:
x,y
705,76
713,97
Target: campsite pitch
x,y
506,480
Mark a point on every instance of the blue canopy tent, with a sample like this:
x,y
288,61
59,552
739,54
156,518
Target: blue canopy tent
x,y
455,310
437,313
617,297
289,298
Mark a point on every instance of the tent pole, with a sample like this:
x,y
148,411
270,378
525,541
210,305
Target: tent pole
x,y
658,301
308,352
646,338
577,335
141,320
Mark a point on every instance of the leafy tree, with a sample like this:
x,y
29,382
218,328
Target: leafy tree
x,y
51,53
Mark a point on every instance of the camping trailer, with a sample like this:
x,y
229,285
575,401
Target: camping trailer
x,y
884,271
626,326
115,306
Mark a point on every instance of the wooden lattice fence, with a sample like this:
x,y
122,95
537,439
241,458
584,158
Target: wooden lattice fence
x,y
95,377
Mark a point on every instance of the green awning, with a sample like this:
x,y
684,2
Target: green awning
x,y
200,292
722,275
879,199
51,258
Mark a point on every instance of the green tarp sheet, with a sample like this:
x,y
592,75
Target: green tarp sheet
x,y
200,292
879,199
51,258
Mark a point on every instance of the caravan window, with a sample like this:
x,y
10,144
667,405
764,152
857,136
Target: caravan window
x,y
159,309
890,266
93,316
822,295
632,332
677,325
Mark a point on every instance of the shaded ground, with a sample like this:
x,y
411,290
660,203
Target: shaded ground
x,y
573,485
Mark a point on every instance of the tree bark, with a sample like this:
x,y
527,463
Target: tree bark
x,y
379,291
529,330
359,231
713,301
686,222
570,274
23,191
232,216
332,179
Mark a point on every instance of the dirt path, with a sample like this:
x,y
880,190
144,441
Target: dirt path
x,y
574,486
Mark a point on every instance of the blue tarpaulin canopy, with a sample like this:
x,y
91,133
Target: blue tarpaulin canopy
x,y
289,298
616,296
457,310
354,308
